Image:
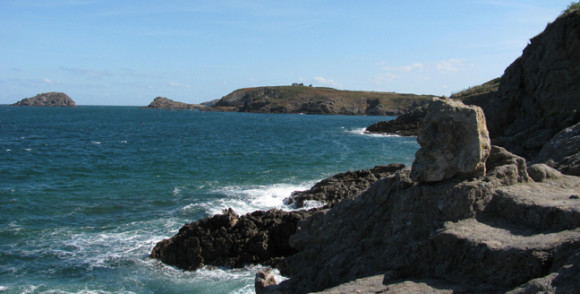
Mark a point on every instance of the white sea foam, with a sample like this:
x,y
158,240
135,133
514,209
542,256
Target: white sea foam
x,y
96,142
251,198
363,132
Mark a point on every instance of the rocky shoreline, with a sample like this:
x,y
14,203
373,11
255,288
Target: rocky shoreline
x,y
468,216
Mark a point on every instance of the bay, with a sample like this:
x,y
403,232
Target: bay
x,y
86,192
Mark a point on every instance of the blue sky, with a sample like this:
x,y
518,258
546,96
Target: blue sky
x,y
129,52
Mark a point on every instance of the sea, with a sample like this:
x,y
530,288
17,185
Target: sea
x,y
87,192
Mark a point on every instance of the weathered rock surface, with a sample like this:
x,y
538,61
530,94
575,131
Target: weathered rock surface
x,y
165,103
317,100
404,125
338,187
231,241
454,142
50,99
484,235
563,151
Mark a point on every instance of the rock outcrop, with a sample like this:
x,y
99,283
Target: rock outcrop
x,y
538,95
404,125
50,99
338,187
165,103
454,142
231,240
493,234
539,92
317,100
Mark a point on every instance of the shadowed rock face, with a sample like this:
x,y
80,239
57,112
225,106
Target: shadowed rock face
x,y
50,99
454,142
484,235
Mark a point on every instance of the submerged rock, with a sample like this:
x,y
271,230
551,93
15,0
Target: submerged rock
x,y
50,99
454,142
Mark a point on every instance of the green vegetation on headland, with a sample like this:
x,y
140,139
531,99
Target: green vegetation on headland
x,y
298,98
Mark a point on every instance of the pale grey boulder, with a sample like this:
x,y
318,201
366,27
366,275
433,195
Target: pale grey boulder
x,y
454,142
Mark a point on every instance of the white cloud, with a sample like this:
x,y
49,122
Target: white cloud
x,y
383,78
405,68
176,84
48,81
325,81
450,65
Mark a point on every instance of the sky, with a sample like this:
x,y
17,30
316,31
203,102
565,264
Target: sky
x,y
129,52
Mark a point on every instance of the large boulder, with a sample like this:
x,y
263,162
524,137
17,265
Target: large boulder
x,y
50,99
454,142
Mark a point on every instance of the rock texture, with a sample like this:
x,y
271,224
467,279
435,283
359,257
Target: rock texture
x,y
165,103
404,125
50,99
563,151
231,240
454,142
264,278
317,100
338,187
485,235
539,93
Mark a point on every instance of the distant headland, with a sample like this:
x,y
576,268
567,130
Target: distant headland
x,y
297,98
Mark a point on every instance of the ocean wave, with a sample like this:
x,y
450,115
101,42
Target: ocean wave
x,y
363,132
246,199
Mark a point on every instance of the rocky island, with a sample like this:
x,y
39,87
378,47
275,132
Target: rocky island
x,y
166,103
50,99
491,203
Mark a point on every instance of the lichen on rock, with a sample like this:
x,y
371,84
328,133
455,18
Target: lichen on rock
x,y
454,142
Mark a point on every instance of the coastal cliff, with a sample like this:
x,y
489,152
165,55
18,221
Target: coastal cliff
x,y
50,99
317,100
534,104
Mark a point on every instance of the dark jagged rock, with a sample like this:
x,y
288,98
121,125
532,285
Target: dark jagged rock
x,y
538,93
165,103
338,187
563,151
232,241
404,125
50,99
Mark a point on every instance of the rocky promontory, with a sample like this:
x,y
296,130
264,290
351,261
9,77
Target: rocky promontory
x,y
535,99
166,103
50,99
317,100
467,217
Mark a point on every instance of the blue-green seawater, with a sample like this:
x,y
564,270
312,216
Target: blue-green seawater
x,y
87,192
